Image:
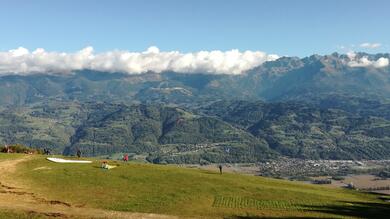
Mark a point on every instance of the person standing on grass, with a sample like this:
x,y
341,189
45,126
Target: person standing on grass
x,y
78,153
126,157
7,148
47,151
220,169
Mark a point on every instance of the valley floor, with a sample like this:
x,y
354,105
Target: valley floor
x,y
364,182
32,187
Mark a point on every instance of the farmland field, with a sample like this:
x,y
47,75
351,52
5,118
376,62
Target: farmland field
x,y
363,182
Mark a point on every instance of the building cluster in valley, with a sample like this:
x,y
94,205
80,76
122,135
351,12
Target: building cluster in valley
x,y
288,167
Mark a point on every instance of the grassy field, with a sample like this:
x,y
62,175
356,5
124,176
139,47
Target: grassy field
x,y
185,192
6,214
4,156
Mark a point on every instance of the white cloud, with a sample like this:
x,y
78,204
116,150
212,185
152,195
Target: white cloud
x,y
370,45
365,62
381,62
22,61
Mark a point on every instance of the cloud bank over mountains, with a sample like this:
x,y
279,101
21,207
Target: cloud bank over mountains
x,y
23,62
365,62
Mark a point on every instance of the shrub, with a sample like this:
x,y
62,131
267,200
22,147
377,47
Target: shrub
x,y
18,148
338,178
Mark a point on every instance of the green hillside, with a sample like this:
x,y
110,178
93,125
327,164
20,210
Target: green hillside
x,y
169,190
222,132
305,131
160,130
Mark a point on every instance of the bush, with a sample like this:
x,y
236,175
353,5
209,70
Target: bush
x,y
384,174
338,178
322,181
18,148
300,178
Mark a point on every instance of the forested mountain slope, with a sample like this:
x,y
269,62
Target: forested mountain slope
x,y
330,107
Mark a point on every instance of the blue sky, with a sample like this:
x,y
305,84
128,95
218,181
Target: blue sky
x,y
281,27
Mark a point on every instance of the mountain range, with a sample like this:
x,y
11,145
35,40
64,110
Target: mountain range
x,y
334,106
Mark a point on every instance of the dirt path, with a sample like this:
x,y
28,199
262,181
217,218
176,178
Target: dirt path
x,y
16,196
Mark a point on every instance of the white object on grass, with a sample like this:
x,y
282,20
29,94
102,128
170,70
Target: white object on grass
x,y
60,160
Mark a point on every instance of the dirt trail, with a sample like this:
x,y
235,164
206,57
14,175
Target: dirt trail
x,y
16,196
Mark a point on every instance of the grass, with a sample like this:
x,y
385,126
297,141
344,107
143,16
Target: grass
x,y
7,214
243,202
4,156
171,190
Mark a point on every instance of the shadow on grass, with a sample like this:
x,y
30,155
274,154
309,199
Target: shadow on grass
x,y
257,217
210,172
356,209
346,209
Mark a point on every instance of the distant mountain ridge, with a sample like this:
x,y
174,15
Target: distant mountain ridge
x,y
287,78
334,107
